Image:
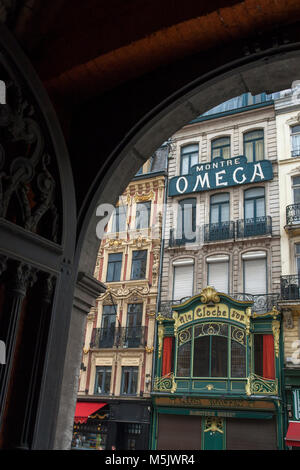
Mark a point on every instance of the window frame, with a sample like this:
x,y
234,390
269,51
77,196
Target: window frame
x,y
133,263
120,263
180,229
295,152
115,223
131,370
188,155
253,141
106,368
214,146
229,339
138,219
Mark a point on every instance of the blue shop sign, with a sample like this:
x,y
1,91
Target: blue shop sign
x,y
221,174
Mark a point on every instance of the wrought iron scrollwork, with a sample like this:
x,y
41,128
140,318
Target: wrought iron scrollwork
x,y
28,174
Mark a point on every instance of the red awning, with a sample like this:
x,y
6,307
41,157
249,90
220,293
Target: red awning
x,y
293,434
84,409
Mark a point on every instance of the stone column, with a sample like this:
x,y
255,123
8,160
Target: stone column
x,y
86,292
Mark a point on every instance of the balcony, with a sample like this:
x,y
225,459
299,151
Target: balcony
x,y
262,303
182,240
289,287
254,226
293,214
103,338
218,231
130,337
295,153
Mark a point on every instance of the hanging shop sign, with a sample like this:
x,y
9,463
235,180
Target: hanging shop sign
x,y
221,174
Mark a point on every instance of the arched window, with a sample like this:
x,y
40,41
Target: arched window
x,y
212,349
186,220
188,158
220,148
254,145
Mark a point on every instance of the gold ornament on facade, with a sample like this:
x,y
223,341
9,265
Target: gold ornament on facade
x,y
165,384
213,424
149,350
209,387
86,350
257,385
176,322
160,334
276,333
209,294
144,197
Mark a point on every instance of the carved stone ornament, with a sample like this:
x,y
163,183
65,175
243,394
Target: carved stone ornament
x,y
29,196
288,318
209,294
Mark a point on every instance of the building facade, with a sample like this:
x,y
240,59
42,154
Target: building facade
x,y
219,356
114,403
287,110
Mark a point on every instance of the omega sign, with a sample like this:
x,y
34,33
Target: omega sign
x,y
220,174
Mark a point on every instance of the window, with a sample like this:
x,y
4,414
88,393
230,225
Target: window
x,y
219,208
140,171
142,218
102,382
297,254
255,272
220,148
264,360
189,157
119,219
256,222
183,278
254,145
129,380
218,350
134,332
108,323
218,272
295,135
296,189
186,220
219,227
114,267
139,262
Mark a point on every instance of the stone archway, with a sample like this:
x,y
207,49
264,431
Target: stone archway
x,y
269,68
272,73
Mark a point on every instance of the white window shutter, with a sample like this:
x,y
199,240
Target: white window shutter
x,y
255,276
183,281
218,276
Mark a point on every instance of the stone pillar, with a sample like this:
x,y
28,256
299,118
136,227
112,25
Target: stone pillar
x,y
86,292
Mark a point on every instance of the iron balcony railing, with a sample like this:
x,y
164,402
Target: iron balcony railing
x,y
132,337
295,152
129,337
254,226
182,239
289,287
262,303
219,231
293,214
103,338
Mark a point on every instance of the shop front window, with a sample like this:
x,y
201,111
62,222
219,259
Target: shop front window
x,y
212,350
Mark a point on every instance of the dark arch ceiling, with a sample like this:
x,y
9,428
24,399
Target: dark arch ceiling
x,y
80,48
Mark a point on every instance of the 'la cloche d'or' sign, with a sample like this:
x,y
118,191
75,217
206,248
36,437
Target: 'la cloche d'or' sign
x,y
220,174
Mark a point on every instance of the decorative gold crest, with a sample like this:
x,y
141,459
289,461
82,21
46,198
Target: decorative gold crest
x,y
209,294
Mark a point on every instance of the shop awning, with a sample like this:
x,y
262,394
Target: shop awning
x,y
84,409
293,434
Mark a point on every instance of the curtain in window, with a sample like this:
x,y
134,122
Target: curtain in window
x,y
268,357
167,356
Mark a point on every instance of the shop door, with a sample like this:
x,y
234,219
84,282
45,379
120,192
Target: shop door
x,y
213,436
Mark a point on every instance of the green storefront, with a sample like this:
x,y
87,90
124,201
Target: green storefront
x,y
218,376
